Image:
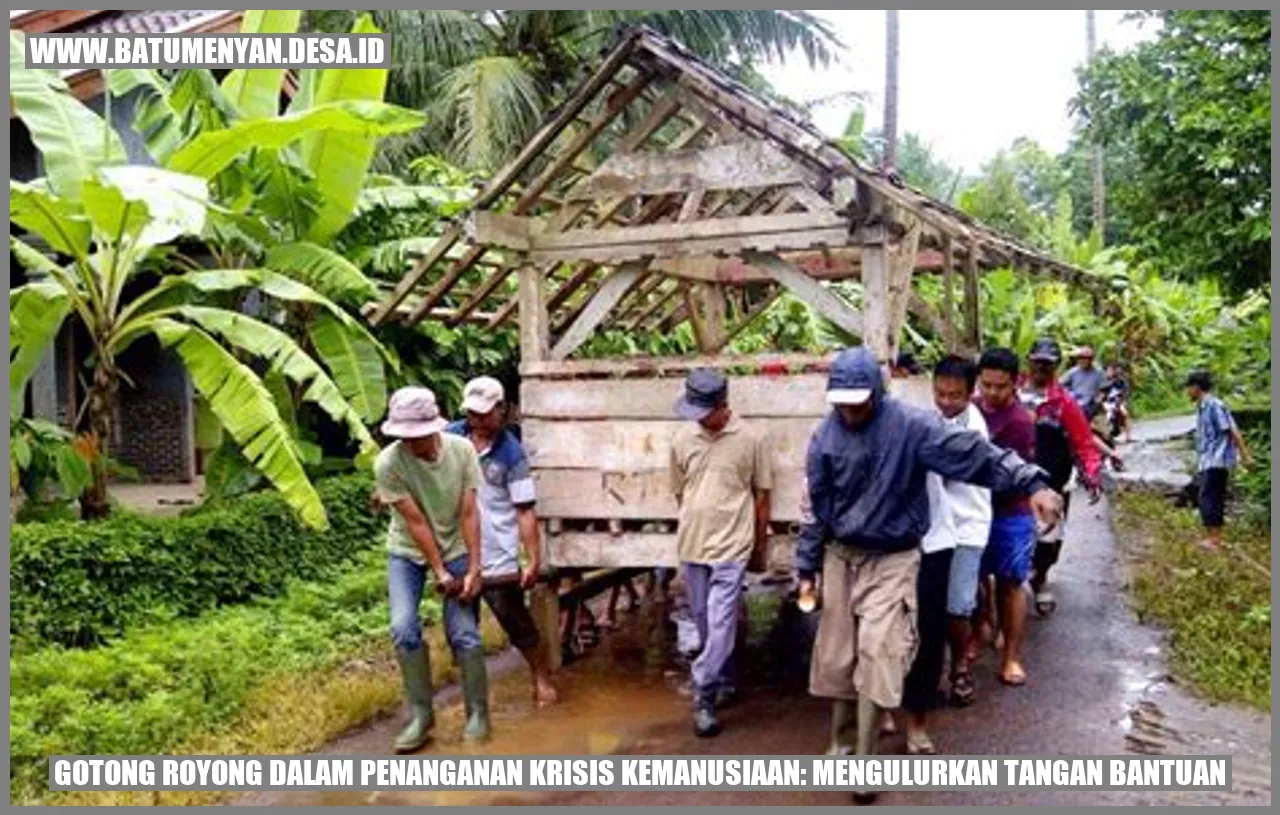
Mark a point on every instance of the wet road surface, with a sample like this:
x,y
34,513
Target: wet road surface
x,y
1097,686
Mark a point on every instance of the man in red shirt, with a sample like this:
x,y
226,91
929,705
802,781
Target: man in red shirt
x,y
1063,443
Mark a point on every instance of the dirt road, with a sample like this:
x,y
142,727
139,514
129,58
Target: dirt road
x,y
1097,685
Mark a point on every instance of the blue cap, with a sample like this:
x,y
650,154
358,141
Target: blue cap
x,y
704,391
855,377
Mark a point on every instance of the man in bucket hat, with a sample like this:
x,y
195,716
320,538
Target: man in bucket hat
x,y
868,512
508,521
430,478
721,475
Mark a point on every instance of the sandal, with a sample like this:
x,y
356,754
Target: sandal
x,y
1045,603
962,689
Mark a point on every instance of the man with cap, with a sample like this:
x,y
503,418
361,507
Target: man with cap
x,y
1083,380
868,504
1064,442
507,522
721,475
430,479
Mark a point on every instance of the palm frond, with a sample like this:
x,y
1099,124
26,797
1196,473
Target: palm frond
x,y
492,104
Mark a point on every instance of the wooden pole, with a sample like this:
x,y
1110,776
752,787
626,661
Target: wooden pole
x,y
535,335
949,295
972,326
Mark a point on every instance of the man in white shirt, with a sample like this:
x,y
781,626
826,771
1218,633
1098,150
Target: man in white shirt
x,y
947,585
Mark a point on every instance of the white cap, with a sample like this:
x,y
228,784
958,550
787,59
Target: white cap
x,y
482,394
848,396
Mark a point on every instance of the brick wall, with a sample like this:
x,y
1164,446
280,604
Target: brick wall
x,y
154,422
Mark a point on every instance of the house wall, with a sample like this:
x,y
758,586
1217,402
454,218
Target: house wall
x,y
155,422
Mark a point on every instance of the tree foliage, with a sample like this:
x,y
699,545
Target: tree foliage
x,y
1190,112
487,77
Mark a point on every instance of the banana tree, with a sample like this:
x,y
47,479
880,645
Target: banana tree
x,y
283,185
100,223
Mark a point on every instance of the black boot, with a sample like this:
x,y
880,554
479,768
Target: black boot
x,y
705,723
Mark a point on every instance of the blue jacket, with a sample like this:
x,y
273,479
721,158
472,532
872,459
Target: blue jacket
x,y
867,484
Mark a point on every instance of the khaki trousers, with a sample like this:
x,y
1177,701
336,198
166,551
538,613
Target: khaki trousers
x,y
867,633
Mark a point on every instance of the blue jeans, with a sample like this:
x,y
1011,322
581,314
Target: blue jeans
x,y
405,582
962,583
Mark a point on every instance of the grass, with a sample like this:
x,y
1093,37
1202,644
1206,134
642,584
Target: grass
x,y
284,676
1216,607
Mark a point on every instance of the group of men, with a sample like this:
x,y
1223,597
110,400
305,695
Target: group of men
x,y
916,525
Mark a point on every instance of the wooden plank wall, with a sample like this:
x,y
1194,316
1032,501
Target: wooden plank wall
x,y
599,449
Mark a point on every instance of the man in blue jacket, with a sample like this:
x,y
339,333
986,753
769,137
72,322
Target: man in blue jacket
x,y
866,469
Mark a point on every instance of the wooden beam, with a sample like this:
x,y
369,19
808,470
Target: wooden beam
x,y
411,278
949,294
654,306
534,332
972,325
902,261
755,311
875,301
727,235
817,296
599,306
736,165
705,304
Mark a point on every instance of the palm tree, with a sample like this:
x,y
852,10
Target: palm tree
x,y
488,77
890,157
1098,185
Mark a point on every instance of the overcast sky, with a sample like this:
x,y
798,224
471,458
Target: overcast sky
x,y
970,82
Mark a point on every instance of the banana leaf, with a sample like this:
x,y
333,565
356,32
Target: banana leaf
x,y
209,153
339,159
255,92
36,313
246,410
73,140
324,270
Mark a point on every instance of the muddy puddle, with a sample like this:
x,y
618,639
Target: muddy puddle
x,y
623,696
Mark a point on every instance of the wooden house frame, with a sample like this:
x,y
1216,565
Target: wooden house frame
x,y
660,192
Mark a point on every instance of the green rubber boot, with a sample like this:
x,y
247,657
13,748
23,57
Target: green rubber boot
x,y
415,668
869,715
475,693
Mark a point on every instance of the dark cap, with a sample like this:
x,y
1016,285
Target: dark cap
x,y
704,391
1045,349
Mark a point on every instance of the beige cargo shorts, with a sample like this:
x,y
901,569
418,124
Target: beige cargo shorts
x,y
867,632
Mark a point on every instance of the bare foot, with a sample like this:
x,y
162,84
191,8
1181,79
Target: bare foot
x,y
1013,675
544,693
1210,545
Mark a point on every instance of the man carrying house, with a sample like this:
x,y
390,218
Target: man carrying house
x,y
947,586
507,522
430,479
1063,443
721,475
866,471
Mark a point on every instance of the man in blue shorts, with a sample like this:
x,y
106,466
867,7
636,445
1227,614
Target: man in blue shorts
x,y
1013,525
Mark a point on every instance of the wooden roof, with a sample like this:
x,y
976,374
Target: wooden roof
x,y
660,171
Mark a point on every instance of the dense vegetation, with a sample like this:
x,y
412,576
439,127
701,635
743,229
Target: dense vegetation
x,y
79,584
135,635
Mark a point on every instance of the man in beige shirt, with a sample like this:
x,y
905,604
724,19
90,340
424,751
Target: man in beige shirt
x,y
721,477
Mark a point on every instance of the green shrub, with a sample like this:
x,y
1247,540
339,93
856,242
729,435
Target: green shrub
x,y
159,686
79,584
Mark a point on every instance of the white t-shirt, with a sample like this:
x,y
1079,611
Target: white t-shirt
x,y
960,513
